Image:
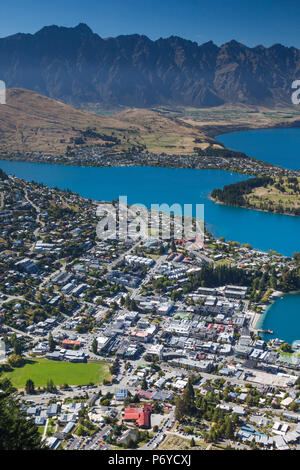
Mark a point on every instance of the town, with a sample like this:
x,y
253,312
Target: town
x,y
140,343
105,156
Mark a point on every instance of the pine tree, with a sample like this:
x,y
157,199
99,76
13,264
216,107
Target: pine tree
x,y
95,346
185,405
229,428
50,387
51,343
144,384
180,409
29,387
18,348
189,396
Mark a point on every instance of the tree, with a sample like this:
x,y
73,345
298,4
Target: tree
x,y
192,442
131,444
51,343
65,386
294,406
95,346
17,432
39,297
15,361
50,387
157,408
185,405
114,367
144,384
189,395
286,347
136,399
29,387
18,348
180,409
229,428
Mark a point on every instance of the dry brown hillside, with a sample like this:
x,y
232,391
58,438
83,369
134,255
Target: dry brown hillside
x,y
31,122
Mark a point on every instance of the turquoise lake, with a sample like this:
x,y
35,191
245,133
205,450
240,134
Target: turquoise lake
x,y
149,185
283,317
278,146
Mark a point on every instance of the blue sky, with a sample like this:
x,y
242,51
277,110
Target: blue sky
x,y
251,22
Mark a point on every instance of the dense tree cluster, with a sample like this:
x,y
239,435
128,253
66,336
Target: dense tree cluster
x,y
203,408
218,276
233,194
17,431
288,281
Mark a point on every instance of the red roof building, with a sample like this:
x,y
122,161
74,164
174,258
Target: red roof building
x,y
141,416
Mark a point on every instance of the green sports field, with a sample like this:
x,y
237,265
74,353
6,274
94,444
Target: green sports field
x,y
41,370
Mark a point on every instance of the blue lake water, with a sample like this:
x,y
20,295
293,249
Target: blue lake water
x,y
278,146
149,185
283,317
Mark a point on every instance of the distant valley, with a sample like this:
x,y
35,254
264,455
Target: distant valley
x,y
31,123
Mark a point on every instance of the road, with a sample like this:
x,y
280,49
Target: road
x,y
38,219
152,270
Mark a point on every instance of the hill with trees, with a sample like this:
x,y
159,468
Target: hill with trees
x,y
273,194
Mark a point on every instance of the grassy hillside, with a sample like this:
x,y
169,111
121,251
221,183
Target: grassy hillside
x,y
282,196
30,122
227,118
272,194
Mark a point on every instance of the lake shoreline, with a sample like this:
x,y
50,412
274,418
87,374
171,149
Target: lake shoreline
x,y
259,319
246,166
230,130
149,185
188,160
216,201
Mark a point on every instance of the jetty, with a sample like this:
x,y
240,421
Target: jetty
x,y
270,332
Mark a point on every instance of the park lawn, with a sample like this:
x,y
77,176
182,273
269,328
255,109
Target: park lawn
x,y
42,370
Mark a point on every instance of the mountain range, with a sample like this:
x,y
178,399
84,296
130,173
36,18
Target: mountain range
x,y
79,67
